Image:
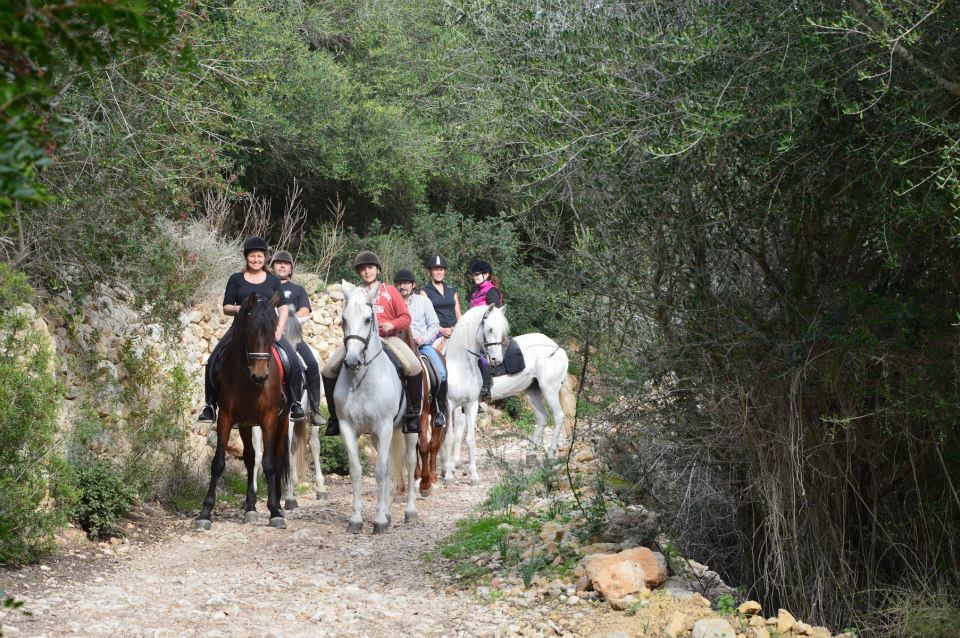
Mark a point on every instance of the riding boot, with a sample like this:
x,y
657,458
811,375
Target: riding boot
x,y
414,404
487,382
296,391
209,412
333,423
441,405
313,390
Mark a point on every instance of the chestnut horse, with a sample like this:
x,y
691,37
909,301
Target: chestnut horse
x,y
251,393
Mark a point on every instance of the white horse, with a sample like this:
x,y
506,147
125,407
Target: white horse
x,y
484,330
370,399
296,436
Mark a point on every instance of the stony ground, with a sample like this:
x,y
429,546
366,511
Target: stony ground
x,y
311,579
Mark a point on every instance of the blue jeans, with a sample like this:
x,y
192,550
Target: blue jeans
x,y
431,354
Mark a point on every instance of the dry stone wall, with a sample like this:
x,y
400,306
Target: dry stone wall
x,y
97,343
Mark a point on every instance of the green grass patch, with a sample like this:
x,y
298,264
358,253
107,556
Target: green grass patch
x,y
475,535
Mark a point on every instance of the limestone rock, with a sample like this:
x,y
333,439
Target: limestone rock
x,y
616,575
598,548
785,621
633,524
713,628
677,625
750,608
802,628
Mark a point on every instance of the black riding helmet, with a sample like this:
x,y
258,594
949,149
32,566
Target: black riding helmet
x,y
282,255
480,266
255,243
404,274
436,261
365,257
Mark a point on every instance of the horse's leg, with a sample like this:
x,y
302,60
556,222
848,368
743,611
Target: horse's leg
x,y
540,411
249,459
459,431
382,473
448,458
270,468
216,470
470,413
355,526
436,444
410,513
290,498
258,453
422,469
317,470
556,408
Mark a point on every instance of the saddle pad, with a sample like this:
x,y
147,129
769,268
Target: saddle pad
x,y
513,361
281,358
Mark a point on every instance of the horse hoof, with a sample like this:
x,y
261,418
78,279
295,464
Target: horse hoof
x,y
355,528
410,517
279,522
531,460
322,496
203,525
474,481
251,517
381,528
291,504
426,493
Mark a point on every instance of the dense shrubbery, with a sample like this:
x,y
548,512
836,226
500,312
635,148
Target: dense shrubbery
x,y
30,398
103,498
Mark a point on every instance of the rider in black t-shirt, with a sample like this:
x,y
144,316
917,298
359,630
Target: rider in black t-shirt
x,y
298,303
252,279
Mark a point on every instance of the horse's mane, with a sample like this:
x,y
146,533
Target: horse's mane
x,y
465,332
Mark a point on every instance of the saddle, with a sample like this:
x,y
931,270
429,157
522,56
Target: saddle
x,y
513,361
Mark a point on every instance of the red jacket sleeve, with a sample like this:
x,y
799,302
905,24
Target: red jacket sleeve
x,y
400,315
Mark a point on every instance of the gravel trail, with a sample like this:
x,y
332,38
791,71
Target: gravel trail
x,y
311,579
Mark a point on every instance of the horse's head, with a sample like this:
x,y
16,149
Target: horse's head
x,y
359,323
493,333
256,324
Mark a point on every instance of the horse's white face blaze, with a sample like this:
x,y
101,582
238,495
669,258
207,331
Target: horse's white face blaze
x,y
359,320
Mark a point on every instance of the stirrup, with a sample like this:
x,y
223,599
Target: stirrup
x,y
333,427
441,420
208,414
485,393
411,424
296,411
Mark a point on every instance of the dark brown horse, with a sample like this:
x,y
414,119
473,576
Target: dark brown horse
x,y
251,393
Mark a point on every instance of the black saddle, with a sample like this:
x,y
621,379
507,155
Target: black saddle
x,y
433,377
513,361
281,354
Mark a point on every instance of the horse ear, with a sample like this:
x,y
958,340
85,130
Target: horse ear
x,y
486,312
347,287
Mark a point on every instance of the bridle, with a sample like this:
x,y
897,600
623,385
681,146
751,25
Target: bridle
x,y
253,356
365,341
486,344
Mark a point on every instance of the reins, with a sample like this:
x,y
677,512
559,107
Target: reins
x,y
366,342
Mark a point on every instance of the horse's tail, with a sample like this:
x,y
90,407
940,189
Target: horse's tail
x,y
298,449
568,401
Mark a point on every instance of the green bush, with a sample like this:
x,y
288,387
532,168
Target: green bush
x,y
333,455
104,499
30,396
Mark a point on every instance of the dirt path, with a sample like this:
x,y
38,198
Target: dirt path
x,y
312,579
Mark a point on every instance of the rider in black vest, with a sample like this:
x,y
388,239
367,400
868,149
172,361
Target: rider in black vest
x,y
298,304
252,279
444,297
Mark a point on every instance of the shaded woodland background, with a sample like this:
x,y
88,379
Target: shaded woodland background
x,y
747,212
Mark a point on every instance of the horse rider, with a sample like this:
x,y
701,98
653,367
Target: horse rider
x,y
425,328
486,291
298,303
392,318
444,297
252,279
